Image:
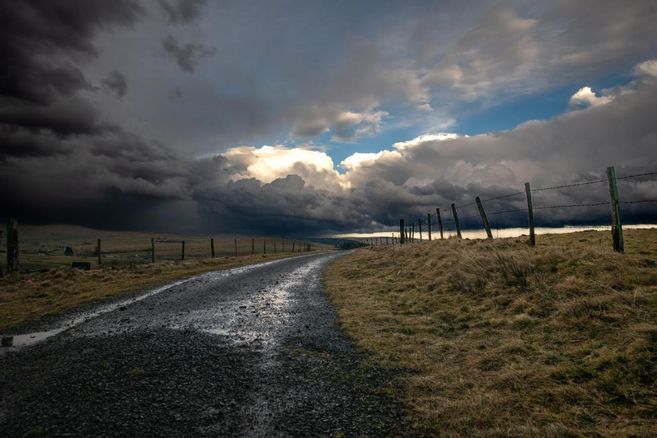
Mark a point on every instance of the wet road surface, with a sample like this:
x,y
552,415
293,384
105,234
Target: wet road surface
x,y
251,351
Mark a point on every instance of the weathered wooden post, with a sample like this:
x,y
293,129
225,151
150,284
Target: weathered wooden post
x,y
212,246
413,232
440,222
530,215
264,246
182,254
616,225
12,245
429,225
419,227
402,231
484,219
293,242
252,246
456,221
100,260
152,250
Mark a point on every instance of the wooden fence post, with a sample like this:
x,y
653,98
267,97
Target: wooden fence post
x,y
293,242
419,226
212,247
456,221
530,215
100,260
152,250
484,219
12,245
440,222
616,225
429,225
252,246
413,232
401,231
182,254
264,246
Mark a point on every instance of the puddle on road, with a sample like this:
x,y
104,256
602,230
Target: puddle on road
x,y
28,339
260,319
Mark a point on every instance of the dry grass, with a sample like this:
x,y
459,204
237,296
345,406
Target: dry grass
x,y
27,297
497,338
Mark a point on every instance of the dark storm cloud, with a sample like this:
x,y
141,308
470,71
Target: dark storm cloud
x,y
182,11
116,83
188,55
36,36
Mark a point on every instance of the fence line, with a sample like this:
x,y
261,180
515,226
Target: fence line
x,y
614,202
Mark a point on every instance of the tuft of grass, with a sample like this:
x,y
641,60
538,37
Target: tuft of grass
x,y
498,338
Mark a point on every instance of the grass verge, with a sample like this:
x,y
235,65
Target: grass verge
x,y
497,338
28,297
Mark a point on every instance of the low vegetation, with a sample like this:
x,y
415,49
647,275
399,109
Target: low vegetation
x,y
27,297
498,338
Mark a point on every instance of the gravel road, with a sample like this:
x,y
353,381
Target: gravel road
x,y
251,351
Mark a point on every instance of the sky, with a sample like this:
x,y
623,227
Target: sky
x,y
319,117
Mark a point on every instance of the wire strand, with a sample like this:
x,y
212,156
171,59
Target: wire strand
x,y
503,196
506,211
594,204
584,183
638,202
637,175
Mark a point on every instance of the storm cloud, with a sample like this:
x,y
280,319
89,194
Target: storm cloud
x,y
200,116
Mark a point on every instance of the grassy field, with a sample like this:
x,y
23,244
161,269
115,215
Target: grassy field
x,y
44,246
56,287
494,338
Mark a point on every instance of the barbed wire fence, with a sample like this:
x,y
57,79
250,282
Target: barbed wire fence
x,y
462,214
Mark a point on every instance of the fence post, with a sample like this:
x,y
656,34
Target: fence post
x,y
99,258
413,232
419,227
401,231
212,246
293,242
456,221
182,255
429,225
264,246
616,225
12,245
152,250
440,222
484,219
530,215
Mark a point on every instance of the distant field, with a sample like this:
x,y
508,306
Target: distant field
x,y
44,246
51,286
495,338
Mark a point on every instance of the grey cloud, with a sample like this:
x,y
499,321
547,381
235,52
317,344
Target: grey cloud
x,y
116,83
182,11
187,56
